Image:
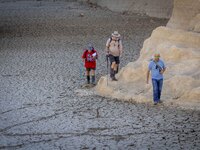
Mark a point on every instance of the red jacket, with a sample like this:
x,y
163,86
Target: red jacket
x,y
90,59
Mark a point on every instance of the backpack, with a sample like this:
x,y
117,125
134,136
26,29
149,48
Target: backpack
x,y
111,41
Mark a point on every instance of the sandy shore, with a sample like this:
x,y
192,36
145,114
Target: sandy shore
x,y
41,103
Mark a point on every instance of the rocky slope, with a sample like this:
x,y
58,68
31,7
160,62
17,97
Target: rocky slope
x,y
153,8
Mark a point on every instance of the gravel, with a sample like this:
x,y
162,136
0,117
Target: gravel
x,y
42,104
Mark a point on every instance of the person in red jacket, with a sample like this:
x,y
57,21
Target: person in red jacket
x,y
89,58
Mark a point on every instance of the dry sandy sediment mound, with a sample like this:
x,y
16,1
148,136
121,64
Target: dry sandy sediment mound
x,y
179,49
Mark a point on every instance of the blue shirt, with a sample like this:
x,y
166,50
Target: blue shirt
x,y
155,72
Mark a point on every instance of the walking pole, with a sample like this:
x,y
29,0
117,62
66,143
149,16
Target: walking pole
x,y
107,67
81,68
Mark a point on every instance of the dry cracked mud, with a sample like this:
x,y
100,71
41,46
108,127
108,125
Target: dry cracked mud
x,y
42,104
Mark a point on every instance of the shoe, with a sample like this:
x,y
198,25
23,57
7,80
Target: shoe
x,y
114,79
93,84
155,103
160,101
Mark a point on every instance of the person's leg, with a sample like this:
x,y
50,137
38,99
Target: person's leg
x,y
117,64
88,75
160,84
113,70
93,75
155,90
112,66
117,68
111,60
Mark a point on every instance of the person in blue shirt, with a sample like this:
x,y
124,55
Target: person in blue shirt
x,y
157,69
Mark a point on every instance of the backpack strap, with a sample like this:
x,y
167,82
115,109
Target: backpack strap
x,y
117,41
159,67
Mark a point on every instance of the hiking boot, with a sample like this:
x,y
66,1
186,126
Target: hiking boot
x,y
93,80
88,79
112,73
155,103
93,83
114,79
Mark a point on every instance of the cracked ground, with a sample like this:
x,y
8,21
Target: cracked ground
x,y
42,104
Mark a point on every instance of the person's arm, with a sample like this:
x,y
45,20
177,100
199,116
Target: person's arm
x,y
84,56
120,47
107,46
164,68
148,73
95,55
